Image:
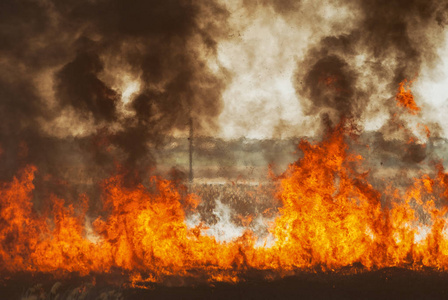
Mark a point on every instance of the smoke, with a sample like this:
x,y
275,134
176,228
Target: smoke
x,y
295,61
78,87
355,75
331,84
341,75
92,87
62,84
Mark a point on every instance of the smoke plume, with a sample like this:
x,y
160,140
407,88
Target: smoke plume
x,y
65,70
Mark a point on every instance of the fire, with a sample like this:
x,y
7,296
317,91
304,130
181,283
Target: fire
x,y
405,98
331,217
144,233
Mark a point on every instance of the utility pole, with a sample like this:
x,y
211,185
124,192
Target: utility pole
x,y
190,139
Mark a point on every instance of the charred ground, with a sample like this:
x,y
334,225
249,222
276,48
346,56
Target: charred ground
x,y
388,283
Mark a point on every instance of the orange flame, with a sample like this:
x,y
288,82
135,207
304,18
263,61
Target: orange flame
x,y
405,98
332,217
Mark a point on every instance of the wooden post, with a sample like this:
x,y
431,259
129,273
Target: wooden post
x,y
190,139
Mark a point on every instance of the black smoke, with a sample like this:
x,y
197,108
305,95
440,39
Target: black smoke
x,y
392,39
60,106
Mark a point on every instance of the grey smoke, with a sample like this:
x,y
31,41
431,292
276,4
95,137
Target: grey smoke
x,y
163,43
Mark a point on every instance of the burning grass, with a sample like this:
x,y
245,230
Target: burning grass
x,y
321,215
330,217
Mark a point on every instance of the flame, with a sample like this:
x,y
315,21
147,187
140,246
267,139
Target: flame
x,y
425,130
331,217
405,98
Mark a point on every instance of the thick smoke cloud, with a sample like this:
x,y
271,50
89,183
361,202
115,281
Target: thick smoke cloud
x,y
330,83
391,38
60,88
279,6
341,75
65,63
78,86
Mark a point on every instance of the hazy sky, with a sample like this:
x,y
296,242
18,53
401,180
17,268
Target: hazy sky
x,y
264,52
264,47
